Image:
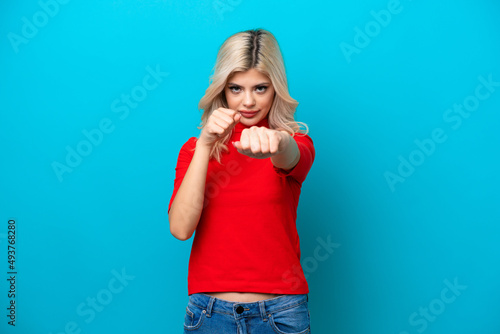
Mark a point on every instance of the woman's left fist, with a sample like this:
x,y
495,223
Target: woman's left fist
x,y
261,142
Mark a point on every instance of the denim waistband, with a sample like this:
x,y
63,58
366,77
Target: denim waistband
x,y
246,309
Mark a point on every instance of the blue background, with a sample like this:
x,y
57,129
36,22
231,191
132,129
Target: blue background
x,y
396,245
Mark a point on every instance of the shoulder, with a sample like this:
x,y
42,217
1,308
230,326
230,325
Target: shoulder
x,y
302,136
303,139
305,144
187,149
189,144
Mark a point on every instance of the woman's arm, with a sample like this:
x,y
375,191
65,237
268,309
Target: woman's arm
x,y
289,157
186,208
187,205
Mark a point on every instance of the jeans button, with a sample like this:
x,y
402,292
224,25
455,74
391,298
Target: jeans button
x,y
239,309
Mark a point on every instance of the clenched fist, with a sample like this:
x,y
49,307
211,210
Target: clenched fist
x,y
219,123
261,142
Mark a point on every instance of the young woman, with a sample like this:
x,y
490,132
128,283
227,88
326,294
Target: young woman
x,y
238,186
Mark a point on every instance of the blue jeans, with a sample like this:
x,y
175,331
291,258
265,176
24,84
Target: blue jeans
x,y
286,314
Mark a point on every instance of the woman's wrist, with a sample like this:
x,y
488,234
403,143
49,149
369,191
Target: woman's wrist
x,y
202,146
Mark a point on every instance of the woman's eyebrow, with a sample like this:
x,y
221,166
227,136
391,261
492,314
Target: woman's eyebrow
x,y
260,84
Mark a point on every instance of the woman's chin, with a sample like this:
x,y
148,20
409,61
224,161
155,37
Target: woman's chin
x,y
250,121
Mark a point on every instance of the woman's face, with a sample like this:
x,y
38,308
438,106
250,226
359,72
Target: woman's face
x,y
250,93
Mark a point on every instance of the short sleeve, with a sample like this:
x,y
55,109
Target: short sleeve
x,y
184,159
307,154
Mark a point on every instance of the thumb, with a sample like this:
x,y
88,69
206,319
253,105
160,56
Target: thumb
x,y
237,117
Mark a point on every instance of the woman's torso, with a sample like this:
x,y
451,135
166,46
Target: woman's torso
x,y
242,297
224,227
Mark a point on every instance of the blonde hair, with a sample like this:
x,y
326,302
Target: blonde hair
x,y
243,51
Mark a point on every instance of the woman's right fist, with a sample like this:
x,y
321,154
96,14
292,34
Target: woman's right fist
x,y
219,123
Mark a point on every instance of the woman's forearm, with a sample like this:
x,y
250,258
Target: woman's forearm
x,y
186,208
289,157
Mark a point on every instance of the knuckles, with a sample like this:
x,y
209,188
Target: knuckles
x,y
250,143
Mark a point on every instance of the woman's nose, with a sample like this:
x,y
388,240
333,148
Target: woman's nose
x,y
249,100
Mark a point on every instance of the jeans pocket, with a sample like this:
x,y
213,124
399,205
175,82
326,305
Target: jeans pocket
x,y
193,317
294,320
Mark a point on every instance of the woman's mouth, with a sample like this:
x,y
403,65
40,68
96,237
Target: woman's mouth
x,y
248,113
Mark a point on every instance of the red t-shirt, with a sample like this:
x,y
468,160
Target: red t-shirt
x,y
246,239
